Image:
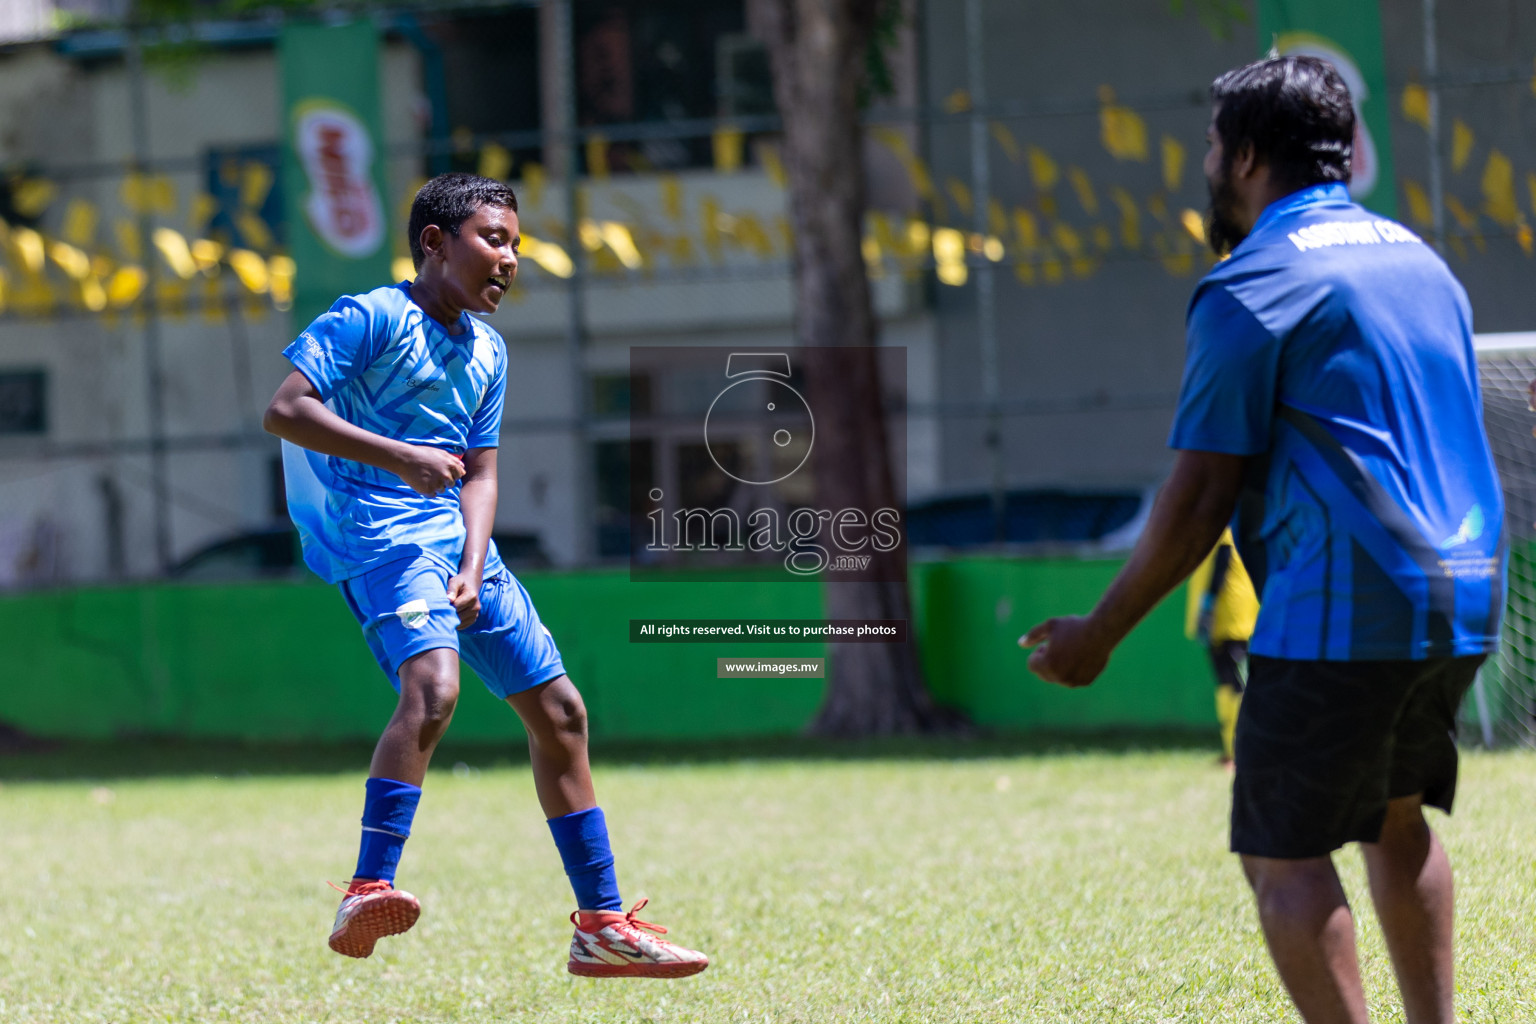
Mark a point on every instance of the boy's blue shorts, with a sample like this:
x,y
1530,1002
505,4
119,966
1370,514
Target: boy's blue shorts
x,y
403,609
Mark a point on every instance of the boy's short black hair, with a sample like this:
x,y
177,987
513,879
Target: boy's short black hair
x,y
1297,114
448,200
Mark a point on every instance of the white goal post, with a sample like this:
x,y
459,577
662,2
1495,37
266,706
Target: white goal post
x,y
1501,709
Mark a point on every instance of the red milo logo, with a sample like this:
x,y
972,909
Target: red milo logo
x,y
343,206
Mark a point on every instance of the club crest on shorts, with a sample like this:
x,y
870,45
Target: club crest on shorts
x,y
413,614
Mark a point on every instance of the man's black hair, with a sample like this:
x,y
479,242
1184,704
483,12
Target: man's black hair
x,y
448,200
1295,112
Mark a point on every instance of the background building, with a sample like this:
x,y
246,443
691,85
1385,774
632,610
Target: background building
x,y
146,249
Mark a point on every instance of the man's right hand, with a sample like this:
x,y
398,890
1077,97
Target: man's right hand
x,y
427,470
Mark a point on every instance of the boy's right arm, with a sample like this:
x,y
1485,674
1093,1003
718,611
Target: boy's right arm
x,y
297,414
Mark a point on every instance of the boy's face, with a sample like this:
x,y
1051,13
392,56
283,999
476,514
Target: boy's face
x,y
481,261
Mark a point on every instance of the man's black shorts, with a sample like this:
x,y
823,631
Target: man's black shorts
x,y
1323,745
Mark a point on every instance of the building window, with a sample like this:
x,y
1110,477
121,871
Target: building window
x,y
23,401
656,61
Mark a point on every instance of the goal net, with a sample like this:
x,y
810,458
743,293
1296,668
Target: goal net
x,y
1501,710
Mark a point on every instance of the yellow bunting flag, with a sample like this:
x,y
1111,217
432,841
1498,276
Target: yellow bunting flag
x,y
70,259
597,156
1415,105
874,261
1005,140
1194,224
959,193
29,246
716,223
728,144
919,236
1042,169
80,218
1026,228
1121,130
671,196
31,196
209,256
124,286
280,273
957,102
1499,190
949,254
773,164
1078,178
618,238
1462,141
251,269
752,236
256,180
1466,220
92,295
204,206
917,172
548,256
997,219
1071,243
402,269
495,162
1173,162
1418,204
1130,218
178,255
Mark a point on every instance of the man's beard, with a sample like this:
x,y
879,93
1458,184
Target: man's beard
x,y
1222,230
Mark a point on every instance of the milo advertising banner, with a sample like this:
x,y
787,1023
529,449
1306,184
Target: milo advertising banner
x,y
1347,34
333,166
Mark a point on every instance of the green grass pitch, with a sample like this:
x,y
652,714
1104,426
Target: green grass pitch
x,y
912,883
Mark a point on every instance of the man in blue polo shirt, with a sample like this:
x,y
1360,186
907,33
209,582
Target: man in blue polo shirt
x,y
1330,411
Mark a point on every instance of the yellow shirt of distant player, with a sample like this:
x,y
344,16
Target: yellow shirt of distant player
x,y
1237,606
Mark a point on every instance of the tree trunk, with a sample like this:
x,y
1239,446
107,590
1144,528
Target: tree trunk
x,y
816,49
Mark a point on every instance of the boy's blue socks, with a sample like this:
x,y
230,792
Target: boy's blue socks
x,y
582,839
387,813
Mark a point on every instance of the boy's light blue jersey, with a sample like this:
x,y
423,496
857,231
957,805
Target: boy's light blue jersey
x,y
1335,349
379,362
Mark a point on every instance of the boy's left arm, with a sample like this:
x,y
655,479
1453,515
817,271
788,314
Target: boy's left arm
x,y
477,503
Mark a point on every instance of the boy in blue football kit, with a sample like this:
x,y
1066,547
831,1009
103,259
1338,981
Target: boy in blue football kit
x,y
390,423
1330,411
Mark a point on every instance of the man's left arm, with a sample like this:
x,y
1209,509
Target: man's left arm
x,y
477,503
1186,520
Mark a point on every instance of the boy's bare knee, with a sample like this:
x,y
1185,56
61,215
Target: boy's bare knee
x,y
566,716
553,713
431,689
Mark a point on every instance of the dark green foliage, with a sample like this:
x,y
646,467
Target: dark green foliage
x,y
1220,17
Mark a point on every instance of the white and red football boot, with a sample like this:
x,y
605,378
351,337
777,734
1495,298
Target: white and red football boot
x,y
369,911
612,944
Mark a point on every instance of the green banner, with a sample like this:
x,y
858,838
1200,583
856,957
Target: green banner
x,y
1347,34
333,163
